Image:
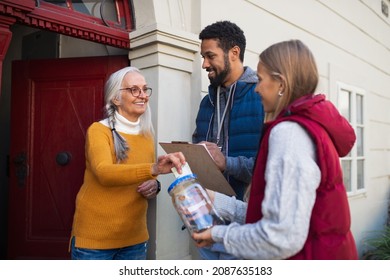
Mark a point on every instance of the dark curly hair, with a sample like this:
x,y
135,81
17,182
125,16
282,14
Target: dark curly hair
x,y
228,35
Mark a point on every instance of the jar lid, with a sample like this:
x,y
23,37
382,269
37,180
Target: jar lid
x,y
181,179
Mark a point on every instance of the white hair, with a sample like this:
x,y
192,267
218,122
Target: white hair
x,y
111,92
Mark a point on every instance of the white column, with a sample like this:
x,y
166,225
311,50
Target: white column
x,y
167,58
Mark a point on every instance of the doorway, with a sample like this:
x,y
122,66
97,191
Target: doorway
x,y
53,102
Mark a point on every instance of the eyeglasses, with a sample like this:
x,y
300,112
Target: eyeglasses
x,y
136,91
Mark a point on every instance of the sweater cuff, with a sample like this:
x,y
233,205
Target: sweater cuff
x,y
217,233
225,205
145,173
229,164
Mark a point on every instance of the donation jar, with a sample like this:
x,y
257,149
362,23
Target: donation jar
x,y
193,204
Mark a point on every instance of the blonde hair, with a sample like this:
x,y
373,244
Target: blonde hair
x,y
111,92
293,64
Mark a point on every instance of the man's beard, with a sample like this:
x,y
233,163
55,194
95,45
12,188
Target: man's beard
x,y
220,78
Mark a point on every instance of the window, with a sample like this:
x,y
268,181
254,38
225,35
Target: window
x,y
350,102
110,12
94,8
106,22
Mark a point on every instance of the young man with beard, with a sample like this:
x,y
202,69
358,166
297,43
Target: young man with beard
x,y
230,117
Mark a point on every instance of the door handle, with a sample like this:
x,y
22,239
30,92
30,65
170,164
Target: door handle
x,y
21,168
63,158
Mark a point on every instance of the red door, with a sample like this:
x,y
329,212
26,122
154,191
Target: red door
x,y
53,103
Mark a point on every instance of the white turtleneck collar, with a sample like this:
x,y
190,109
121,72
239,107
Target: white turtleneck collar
x,y
124,125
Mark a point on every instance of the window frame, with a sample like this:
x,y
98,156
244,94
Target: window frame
x,y
120,5
353,155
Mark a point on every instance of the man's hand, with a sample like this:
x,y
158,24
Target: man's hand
x,y
216,154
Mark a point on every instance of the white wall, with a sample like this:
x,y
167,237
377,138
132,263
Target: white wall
x,y
164,48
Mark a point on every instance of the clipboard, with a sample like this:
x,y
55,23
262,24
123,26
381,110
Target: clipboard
x,y
202,165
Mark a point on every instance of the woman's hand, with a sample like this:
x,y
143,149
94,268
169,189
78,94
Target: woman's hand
x,y
166,162
148,189
203,239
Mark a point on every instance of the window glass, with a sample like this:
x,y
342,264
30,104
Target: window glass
x,y
359,109
105,10
359,141
360,174
344,104
346,166
57,2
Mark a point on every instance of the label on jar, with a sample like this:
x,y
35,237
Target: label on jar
x,y
195,209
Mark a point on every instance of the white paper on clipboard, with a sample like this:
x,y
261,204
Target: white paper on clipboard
x,y
202,165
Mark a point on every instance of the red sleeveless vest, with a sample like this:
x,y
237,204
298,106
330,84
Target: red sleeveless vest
x,y
329,232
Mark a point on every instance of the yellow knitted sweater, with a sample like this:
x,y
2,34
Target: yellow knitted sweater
x,y
110,213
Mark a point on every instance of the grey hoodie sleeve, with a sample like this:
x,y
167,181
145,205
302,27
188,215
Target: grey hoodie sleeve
x,y
240,168
230,208
292,177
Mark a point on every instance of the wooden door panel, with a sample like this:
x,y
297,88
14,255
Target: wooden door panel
x,y
60,132
53,103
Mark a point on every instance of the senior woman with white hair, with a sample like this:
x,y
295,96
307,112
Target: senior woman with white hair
x,y
120,176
